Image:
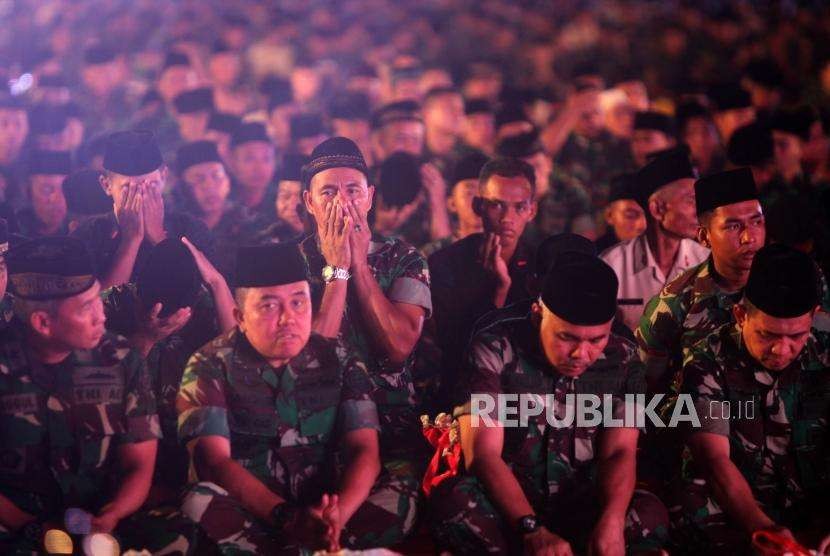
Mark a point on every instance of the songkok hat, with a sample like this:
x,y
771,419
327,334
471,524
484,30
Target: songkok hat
x,y
468,167
724,188
522,145
271,264
510,113
175,59
399,179
84,195
132,153
307,125
783,282
403,110
249,132
730,96
654,121
351,106
292,167
623,186
582,291
750,145
796,121
4,236
196,152
223,122
50,163
195,100
554,247
478,106
336,152
665,167
50,268
169,276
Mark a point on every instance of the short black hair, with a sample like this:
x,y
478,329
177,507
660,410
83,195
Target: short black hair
x,y
508,168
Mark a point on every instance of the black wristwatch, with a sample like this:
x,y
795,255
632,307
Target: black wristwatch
x,y
528,524
283,515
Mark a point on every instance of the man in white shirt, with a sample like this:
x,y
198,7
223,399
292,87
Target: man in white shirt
x,y
665,189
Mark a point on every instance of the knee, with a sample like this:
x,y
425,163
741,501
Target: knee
x,y
198,497
648,517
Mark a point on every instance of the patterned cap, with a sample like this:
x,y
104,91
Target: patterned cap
x,y
50,268
336,152
783,282
132,153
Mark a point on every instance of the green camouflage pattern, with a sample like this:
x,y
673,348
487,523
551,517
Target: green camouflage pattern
x,y
403,275
62,423
783,449
565,207
284,426
165,365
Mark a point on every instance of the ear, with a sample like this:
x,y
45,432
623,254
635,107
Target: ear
x,y
478,206
41,322
739,312
606,214
451,205
534,207
656,208
105,184
703,237
370,197
237,315
309,206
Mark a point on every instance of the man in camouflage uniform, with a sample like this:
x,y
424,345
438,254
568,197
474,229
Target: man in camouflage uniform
x,y
761,388
580,479
700,300
264,410
372,292
167,315
79,427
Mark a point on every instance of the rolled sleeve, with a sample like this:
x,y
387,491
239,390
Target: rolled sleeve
x,y
201,400
141,419
412,291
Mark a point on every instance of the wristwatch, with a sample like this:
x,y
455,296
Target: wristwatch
x,y
331,273
528,524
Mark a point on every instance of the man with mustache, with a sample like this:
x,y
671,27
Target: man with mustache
x,y
530,488
264,407
78,422
761,388
665,190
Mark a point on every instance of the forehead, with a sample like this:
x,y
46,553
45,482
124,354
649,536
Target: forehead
x,y
626,204
283,291
552,324
742,210
289,186
338,177
775,325
254,147
515,188
405,127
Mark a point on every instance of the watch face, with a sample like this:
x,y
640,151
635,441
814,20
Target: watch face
x,y
328,273
529,524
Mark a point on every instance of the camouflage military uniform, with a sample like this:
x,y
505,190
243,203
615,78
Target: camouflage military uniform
x,y
781,447
566,207
61,426
283,426
593,162
555,466
165,365
238,226
402,274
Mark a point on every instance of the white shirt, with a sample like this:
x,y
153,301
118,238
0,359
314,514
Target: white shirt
x,y
641,278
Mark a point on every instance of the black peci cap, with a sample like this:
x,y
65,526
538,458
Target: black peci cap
x,y
783,282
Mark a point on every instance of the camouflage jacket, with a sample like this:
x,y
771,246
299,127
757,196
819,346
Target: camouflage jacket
x,y
165,365
402,274
284,424
507,358
238,226
61,424
565,207
776,421
686,310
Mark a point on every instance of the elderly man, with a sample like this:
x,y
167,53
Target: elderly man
x,y
374,293
265,408
665,191
529,488
761,387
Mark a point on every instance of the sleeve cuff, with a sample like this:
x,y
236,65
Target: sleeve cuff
x,y
203,421
412,291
